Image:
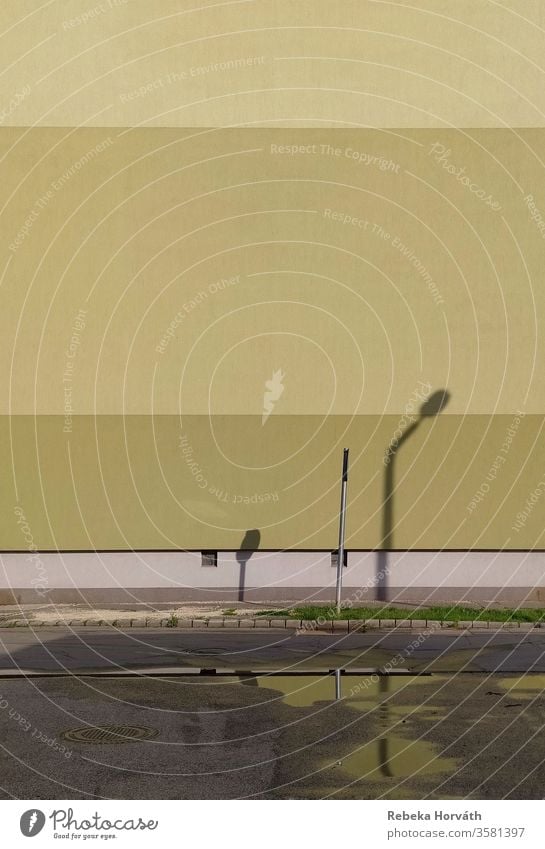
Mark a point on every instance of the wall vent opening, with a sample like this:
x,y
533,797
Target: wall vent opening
x,y
335,558
209,558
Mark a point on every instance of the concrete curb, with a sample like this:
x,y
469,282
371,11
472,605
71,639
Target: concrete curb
x,y
345,626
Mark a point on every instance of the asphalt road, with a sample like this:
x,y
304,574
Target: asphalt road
x,y
266,737
466,725
57,649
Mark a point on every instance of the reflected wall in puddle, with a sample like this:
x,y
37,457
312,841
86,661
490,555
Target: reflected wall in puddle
x,y
389,755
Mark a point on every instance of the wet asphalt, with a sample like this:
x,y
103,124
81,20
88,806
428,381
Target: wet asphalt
x,y
270,737
107,648
467,725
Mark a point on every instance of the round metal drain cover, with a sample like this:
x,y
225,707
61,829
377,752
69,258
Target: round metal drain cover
x,y
110,734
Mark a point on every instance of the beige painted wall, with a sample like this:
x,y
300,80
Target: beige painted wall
x,y
412,63
143,482
356,278
192,201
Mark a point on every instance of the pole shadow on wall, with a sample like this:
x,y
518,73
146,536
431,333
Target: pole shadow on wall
x,y
432,406
249,544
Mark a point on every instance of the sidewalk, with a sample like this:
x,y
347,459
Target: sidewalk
x,y
195,615
145,615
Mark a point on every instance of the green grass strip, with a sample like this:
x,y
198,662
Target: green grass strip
x,y
440,614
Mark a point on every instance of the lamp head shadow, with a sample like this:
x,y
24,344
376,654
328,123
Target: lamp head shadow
x,y
249,544
251,540
436,403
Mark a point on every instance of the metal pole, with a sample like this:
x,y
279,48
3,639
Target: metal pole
x,y
342,522
338,687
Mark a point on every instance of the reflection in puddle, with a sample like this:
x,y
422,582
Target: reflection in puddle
x,y
388,754
363,692
395,757
525,687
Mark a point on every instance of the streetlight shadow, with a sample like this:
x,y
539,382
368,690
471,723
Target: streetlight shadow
x,y
432,406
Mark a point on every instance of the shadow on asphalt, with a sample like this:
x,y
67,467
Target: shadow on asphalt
x,y
281,736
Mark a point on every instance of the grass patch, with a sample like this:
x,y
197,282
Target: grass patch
x,y
440,614
172,621
229,612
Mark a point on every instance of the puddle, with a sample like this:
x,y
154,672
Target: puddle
x,y
526,687
359,691
381,699
272,734
394,757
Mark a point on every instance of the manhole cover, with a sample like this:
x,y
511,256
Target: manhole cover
x,y
109,734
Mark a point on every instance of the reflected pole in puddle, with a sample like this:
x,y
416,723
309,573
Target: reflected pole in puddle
x,y
383,753
338,685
